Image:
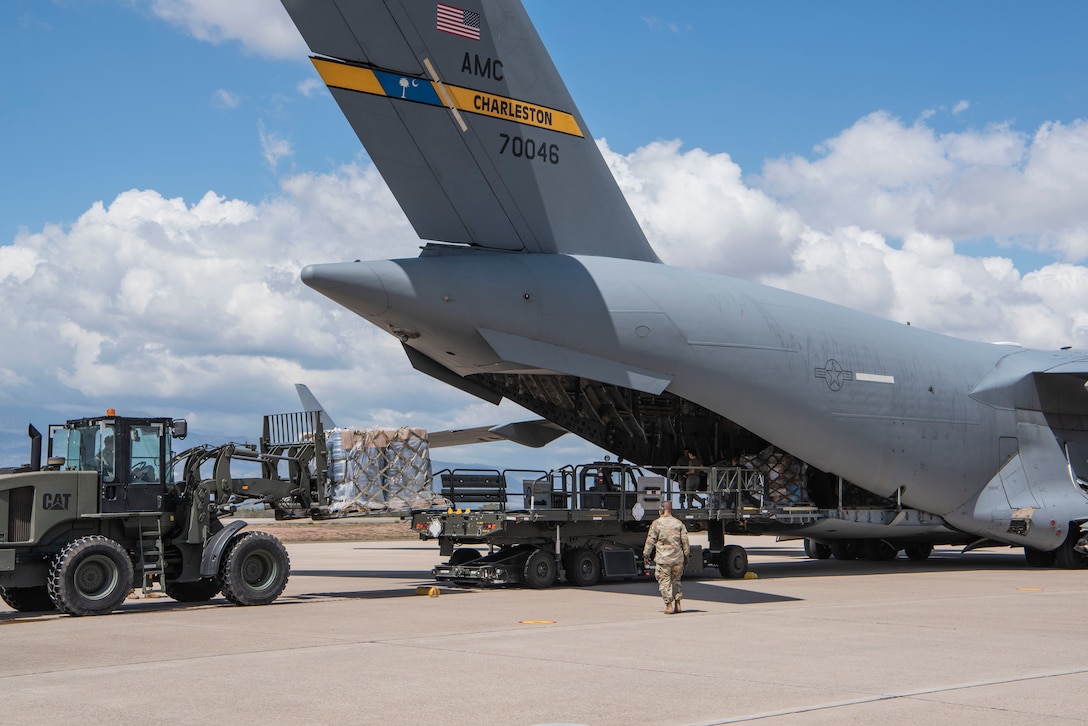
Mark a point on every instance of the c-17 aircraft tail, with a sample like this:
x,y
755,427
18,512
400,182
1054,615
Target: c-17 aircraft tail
x,y
464,114
552,297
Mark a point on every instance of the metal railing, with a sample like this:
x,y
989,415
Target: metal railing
x,y
731,487
592,488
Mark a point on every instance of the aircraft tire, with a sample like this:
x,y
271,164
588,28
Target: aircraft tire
x,y
918,553
255,569
816,550
91,576
1066,557
1040,558
540,570
878,550
584,567
461,555
733,562
845,549
28,599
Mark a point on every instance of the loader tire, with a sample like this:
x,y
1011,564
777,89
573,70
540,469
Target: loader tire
x,y
28,599
733,562
584,567
197,591
91,576
255,569
540,570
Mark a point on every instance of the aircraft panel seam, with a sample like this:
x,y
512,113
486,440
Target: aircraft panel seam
x,y
912,419
748,346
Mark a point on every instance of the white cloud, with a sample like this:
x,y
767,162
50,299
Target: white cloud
x,y
261,26
17,264
310,86
927,284
273,146
9,380
894,179
223,98
848,266
161,306
182,298
960,107
875,175
1063,287
655,23
874,221
696,210
152,305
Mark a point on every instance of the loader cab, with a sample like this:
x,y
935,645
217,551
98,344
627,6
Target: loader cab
x,y
132,457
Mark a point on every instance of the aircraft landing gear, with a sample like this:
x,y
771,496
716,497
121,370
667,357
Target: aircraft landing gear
x,y
1066,556
816,550
918,553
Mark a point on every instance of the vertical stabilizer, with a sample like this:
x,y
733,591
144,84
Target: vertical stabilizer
x,y
310,403
464,114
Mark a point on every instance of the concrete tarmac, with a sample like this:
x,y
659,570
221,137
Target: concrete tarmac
x,y
979,638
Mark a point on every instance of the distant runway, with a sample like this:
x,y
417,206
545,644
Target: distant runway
x,y
973,639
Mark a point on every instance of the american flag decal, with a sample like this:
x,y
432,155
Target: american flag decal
x,y
463,23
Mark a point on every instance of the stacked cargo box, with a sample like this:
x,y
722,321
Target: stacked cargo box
x,y
783,473
379,470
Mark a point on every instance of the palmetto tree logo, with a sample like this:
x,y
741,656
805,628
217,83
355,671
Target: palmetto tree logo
x,y
405,84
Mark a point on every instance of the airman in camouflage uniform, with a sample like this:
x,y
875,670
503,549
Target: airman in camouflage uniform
x,y
670,538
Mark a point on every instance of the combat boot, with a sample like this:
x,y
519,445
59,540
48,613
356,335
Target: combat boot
x,y
676,606
669,608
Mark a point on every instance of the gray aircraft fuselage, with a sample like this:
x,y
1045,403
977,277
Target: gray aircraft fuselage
x,y
885,405
546,291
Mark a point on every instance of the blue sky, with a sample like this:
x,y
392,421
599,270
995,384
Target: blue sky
x,y
109,97
921,160
761,80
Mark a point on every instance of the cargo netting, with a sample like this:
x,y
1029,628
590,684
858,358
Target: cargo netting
x,y
379,471
783,473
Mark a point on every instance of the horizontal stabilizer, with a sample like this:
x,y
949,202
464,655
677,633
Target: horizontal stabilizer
x,y
425,364
534,434
465,116
462,437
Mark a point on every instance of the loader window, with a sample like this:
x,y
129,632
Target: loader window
x,y
106,453
79,454
146,444
58,441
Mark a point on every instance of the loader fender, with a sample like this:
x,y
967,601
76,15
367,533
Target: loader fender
x,y
215,546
